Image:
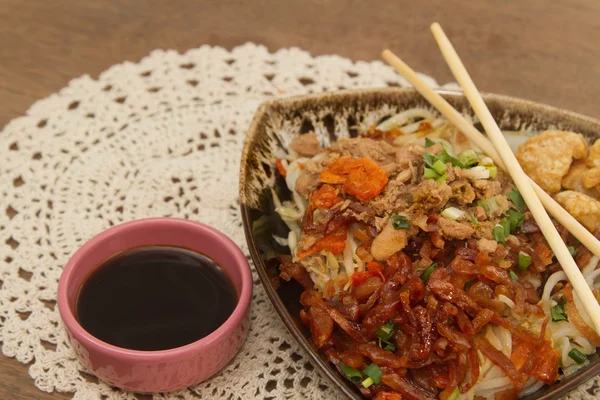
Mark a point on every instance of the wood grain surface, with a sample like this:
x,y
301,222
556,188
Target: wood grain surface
x,y
547,51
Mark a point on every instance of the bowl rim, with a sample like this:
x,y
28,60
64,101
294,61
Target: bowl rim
x,y
87,340
252,135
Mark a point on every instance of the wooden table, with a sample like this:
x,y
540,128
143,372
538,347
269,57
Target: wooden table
x,y
537,49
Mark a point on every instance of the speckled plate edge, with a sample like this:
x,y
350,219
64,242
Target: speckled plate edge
x,y
504,108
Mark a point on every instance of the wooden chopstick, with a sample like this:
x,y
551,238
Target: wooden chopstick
x,y
437,101
519,177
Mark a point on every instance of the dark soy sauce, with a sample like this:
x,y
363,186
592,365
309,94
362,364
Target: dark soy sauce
x,y
155,298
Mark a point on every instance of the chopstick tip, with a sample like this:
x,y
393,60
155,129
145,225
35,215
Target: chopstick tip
x,y
436,27
386,53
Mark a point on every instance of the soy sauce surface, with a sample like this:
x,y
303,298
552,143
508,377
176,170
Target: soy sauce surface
x,y
155,298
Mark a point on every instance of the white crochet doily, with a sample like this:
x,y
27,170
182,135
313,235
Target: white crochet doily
x,y
161,137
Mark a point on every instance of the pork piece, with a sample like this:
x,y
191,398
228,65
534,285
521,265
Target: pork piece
x,y
487,188
453,173
289,270
306,145
546,157
487,245
309,179
321,326
360,212
462,192
454,229
584,208
395,197
409,154
430,195
379,151
388,242
484,230
480,213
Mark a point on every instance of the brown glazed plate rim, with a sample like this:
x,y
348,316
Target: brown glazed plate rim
x,y
514,104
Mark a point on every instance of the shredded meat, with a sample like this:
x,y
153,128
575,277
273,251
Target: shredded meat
x,y
430,195
309,181
379,151
395,197
410,154
486,188
306,145
462,192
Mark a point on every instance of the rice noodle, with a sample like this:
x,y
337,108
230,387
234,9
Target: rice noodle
x,y
505,338
590,266
506,301
405,116
531,387
495,385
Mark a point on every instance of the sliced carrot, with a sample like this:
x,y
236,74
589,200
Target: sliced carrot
x,y
334,243
280,167
362,178
325,197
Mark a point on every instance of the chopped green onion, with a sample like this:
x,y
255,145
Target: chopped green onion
x,y
486,161
352,374
429,159
429,142
516,219
478,172
506,225
429,173
558,312
439,167
475,221
447,156
367,382
493,171
441,178
489,205
498,233
373,372
400,222
513,276
390,347
447,149
453,213
468,158
386,331
428,271
524,260
517,199
577,356
572,251
454,395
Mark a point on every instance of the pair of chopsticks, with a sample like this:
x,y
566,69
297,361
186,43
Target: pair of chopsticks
x,y
499,151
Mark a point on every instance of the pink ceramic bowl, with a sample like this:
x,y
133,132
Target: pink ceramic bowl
x,y
165,370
